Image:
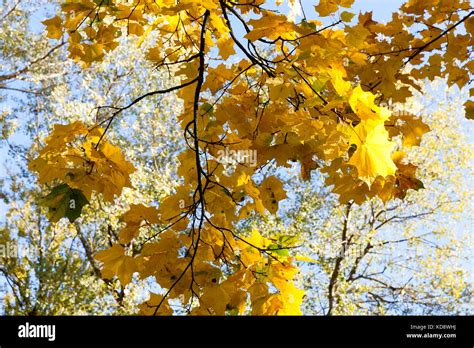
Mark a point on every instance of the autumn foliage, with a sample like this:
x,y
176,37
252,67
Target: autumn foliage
x,y
314,92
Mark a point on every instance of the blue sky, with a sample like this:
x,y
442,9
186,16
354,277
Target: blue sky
x,y
382,9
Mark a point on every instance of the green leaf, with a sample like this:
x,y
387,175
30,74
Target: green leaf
x,y
308,25
278,249
77,200
55,195
287,240
282,252
63,201
208,108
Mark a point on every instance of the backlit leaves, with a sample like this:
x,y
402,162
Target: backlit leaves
x,y
410,127
327,7
54,28
116,263
312,97
83,160
373,154
363,104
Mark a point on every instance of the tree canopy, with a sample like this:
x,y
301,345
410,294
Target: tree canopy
x,y
256,95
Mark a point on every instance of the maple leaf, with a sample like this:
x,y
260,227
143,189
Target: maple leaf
x,y
79,164
149,307
411,127
406,179
250,247
133,218
347,16
271,192
307,165
226,47
341,86
63,201
271,26
172,205
292,300
405,176
469,109
116,263
54,28
215,300
384,188
268,305
373,156
327,7
63,134
363,104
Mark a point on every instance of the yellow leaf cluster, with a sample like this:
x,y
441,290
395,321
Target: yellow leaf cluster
x,y
84,160
116,263
311,98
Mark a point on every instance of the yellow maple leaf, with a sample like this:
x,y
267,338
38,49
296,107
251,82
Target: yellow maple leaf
x,y
114,156
363,104
226,47
243,179
58,159
174,204
326,7
135,28
53,27
291,300
254,192
134,217
373,154
271,26
250,247
268,305
271,192
347,16
116,263
63,134
149,307
215,300
278,89
411,127
109,166
341,86
140,212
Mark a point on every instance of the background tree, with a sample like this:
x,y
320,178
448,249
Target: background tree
x,y
403,257
57,273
